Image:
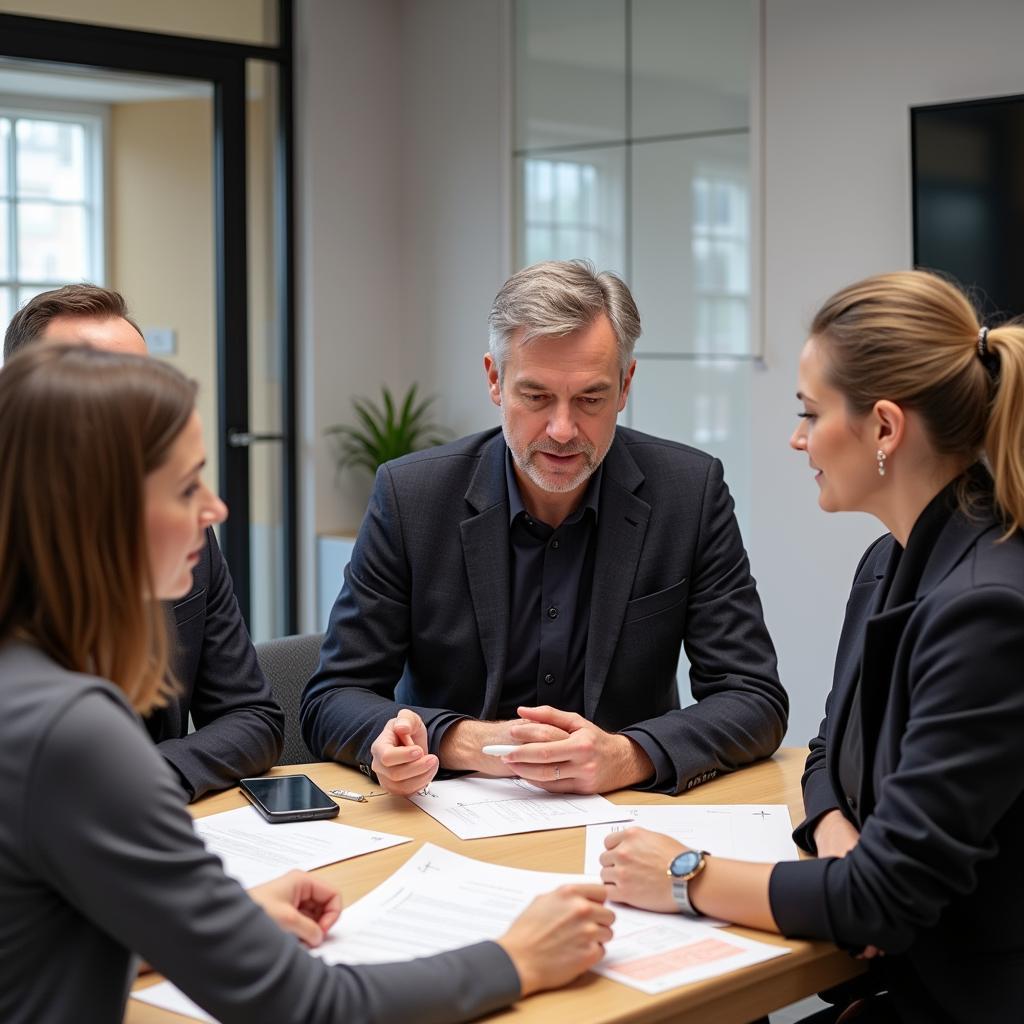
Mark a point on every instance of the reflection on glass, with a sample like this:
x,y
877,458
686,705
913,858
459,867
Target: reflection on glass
x,y
570,72
51,159
6,312
572,207
691,65
705,403
5,142
267,616
52,242
5,241
691,245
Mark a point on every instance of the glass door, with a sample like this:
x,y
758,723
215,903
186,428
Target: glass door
x,y
194,228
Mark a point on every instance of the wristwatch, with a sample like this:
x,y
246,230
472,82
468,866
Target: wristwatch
x,y
683,870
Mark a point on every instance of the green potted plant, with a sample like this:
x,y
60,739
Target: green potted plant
x,y
384,431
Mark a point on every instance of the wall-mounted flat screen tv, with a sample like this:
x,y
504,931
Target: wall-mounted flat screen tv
x,y
968,178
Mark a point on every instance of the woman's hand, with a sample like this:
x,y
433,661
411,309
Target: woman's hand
x,y
634,867
300,904
834,836
558,936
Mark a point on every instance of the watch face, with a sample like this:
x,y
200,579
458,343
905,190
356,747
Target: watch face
x,y
684,864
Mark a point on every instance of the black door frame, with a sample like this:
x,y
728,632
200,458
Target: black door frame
x,y
224,65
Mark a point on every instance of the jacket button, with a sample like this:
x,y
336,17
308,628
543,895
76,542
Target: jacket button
x,y
552,612
549,678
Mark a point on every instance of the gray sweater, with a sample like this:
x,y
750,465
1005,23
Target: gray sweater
x,y
98,861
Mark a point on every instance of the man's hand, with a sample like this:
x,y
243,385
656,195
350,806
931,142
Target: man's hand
x,y
558,936
834,836
300,904
634,867
400,758
463,742
587,760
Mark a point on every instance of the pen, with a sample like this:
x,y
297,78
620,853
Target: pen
x,y
347,794
500,749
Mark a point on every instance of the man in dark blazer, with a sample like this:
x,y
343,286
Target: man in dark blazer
x,y
532,586
239,727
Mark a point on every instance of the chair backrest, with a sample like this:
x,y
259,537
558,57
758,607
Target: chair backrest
x,y
288,662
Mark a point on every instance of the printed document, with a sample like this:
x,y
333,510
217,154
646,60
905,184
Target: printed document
x,y
754,832
478,806
440,900
254,851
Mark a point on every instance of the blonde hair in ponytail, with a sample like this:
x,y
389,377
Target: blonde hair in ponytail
x,y
912,337
1004,439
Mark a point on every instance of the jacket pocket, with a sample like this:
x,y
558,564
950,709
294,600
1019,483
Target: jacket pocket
x,y
656,603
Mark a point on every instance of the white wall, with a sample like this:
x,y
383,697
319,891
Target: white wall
x,y
840,79
402,143
348,175
456,139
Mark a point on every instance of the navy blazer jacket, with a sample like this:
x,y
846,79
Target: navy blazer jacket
x,y
422,619
936,877
239,725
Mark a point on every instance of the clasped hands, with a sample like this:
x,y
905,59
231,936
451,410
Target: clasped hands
x,y
559,751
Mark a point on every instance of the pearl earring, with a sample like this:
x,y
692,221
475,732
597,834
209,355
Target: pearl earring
x,y
881,456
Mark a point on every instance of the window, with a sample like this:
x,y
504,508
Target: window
x,y
632,148
51,202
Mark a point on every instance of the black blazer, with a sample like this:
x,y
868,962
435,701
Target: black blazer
x,y
422,619
936,879
239,725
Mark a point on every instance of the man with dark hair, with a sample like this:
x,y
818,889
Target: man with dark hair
x,y
516,600
239,726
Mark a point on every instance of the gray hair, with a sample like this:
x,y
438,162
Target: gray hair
x,y
557,297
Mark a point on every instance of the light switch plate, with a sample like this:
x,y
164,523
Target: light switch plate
x,y
161,341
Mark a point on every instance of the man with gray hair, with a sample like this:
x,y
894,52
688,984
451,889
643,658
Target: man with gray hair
x,y
530,588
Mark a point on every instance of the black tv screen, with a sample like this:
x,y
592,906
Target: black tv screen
x,y
968,178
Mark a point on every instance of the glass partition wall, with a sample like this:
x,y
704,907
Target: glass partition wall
x,y
633,149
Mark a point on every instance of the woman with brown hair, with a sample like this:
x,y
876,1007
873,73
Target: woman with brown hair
x,y
103,514
914,787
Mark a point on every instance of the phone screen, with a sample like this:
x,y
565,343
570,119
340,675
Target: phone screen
x,y
288,794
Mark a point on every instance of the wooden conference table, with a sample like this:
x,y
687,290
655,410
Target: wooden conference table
x,y
734,998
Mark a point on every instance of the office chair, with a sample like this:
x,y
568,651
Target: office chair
x,y
288,662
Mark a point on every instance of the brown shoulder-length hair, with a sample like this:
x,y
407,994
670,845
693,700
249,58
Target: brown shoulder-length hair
x,y
79,431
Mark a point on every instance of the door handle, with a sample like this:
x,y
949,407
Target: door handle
x,y
245,438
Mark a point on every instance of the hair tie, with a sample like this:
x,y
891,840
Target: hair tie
x,y
983,344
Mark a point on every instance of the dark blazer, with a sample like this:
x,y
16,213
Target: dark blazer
x,y
936,878
422,619
239,725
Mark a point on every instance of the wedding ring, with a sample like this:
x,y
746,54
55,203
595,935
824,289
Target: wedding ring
x,y
558,773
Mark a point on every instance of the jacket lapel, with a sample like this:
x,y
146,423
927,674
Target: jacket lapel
x,y
621,527
883,634
485,551
881,640
845,683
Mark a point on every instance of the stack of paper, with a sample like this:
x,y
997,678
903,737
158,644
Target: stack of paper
x,y
253,851
754,832
479,806
439,900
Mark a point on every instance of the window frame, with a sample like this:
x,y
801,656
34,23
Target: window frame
x,y
95,119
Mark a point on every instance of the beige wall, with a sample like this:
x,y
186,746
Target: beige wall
x,y
248,21
160,222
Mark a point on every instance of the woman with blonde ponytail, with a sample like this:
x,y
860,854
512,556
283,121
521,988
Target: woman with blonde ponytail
x,y
103,513
913,411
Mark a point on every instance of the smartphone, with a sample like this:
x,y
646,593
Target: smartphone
x,y
288,798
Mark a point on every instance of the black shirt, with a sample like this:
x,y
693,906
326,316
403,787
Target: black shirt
x,y
551,570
